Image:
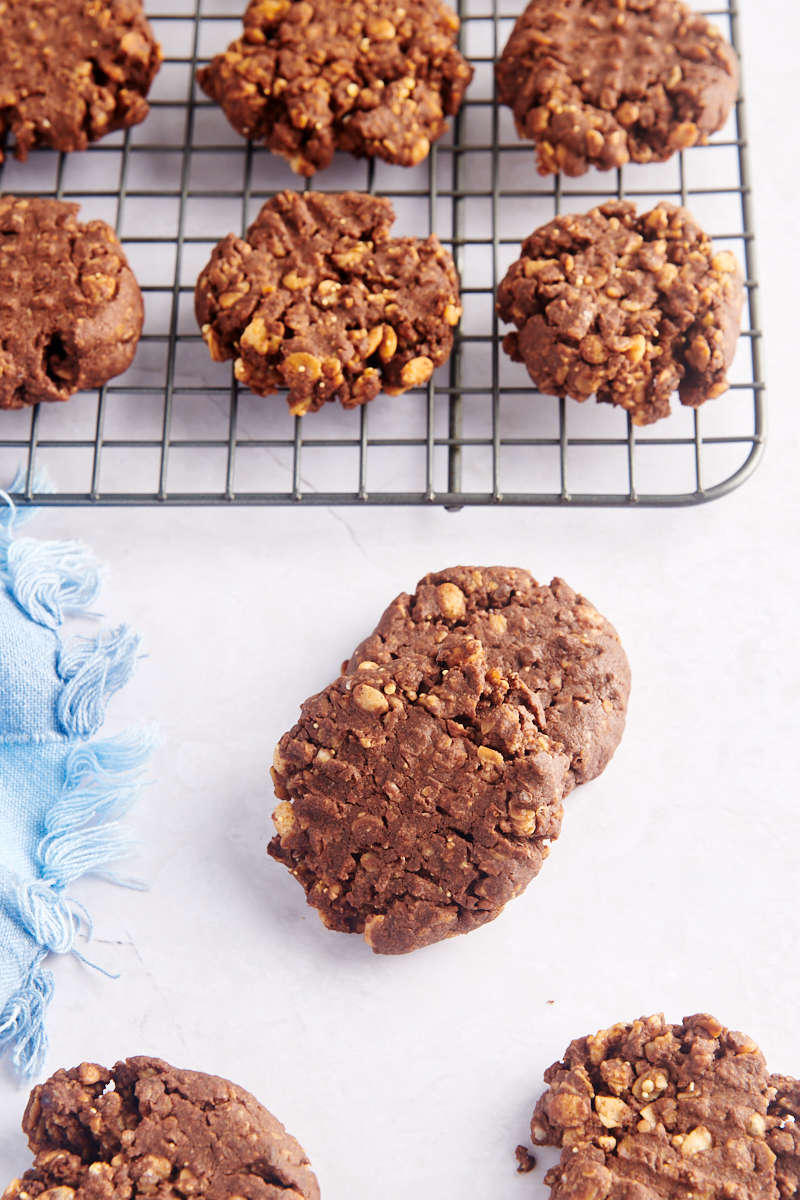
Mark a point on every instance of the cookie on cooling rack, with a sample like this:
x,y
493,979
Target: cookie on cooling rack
x,y
72,71
661,1112
71,311
561,648
418,797
145,1128
628,307
320,299
309,77
595,83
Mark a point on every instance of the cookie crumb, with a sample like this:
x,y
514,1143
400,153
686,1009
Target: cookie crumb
x,y
525,1161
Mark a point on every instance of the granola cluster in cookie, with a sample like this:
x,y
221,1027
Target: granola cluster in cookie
x,y
72,71
600,82
374,77
628,307
71,311
320,299
146,1129
652,1111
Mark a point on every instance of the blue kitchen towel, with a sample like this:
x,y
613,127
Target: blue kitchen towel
x,y
60,794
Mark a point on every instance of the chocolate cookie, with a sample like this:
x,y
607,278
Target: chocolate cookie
x,y
418,797
562,649
373,78
627,307
72,71
70,308
148,1129
321,300
648,1110
599,82
784,1135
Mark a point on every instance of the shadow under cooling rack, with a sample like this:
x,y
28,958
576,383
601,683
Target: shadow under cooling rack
x,y
176,428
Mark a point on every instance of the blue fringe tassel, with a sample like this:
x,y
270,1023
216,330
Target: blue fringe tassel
x,y
48,579
22,1022
101,784
45,914
11,515
94,668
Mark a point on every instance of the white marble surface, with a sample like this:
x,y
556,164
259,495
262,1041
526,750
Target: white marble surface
x,y
673,886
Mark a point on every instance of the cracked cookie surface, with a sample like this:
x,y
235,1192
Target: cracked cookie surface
x,y
320,299
418,797
651,1111
71,311
563,650
145,1128
600,82
628,307
72,71
309,77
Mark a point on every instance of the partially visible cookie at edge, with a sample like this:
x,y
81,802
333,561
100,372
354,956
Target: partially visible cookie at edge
x,y
628,307
646,1110
72,71
145,1128
595,83
321,300
313,76
417,797
71,311
784,1136
562,648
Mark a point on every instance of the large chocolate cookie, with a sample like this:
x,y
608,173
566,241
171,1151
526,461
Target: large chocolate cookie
x,y
72,71
417,797
70,308
373,78
555,640
320,299
599,82
650,1111
628,307
148,1129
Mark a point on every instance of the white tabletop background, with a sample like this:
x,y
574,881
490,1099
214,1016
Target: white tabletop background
x,y
673,887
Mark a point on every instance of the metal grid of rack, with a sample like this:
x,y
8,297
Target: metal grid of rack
x,y
178,429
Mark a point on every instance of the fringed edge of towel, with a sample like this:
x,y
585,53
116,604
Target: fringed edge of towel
x,y
102,780
22,1021
47,579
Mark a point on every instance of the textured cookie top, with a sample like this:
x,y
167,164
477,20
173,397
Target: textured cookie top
x,y
599,82
72,70
418,797
321,300
371,77
650,1110
564,651
148,1129
629,307
70,309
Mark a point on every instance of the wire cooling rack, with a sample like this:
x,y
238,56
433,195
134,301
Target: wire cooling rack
x,y
178,429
